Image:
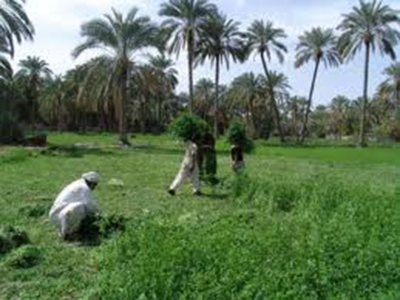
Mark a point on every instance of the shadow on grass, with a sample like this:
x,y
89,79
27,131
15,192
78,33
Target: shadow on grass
x,y
75,152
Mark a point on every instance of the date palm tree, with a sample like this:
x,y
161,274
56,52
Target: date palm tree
x,y
264,39
15,26
245,88
120,37
184,19
318,45
35,70
370,25
391,86
220,41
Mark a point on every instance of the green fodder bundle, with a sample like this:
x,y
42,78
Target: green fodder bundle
x,y
188,127
237,135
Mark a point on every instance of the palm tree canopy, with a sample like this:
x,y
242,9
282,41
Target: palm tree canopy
x,y
389,87
220,39
318,44
278,83
263,37
118,35
184,20
34,66
245,87
14,23
369,23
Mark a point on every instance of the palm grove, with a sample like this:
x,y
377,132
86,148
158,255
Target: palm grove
x,y
118,91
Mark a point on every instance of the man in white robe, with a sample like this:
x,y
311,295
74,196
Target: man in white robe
x,y
189,170
74,204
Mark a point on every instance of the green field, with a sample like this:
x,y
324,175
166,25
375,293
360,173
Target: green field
x,y
304,223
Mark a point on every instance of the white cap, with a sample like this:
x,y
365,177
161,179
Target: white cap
x,y
92,177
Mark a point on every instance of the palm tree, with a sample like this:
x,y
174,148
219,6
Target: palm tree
x,y
264,39
278,86
246,88
391,86
185,18
14,23
220,40
35,70
167,78
370,25
319,45
5,66
120,37
204,91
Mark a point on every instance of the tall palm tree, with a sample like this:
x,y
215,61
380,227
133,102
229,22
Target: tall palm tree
x,y
246,88
120,37
220,40
391,86
369,26
318,45
167,77
35,70
5,66
184,19
204,92
264,39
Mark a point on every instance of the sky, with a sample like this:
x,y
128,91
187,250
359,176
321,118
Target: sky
x,y
57,24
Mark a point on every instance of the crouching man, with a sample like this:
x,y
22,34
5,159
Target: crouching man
x,y
74,204
189,170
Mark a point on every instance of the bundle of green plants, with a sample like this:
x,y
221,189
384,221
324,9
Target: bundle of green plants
x,y
188,127
101,226
237,135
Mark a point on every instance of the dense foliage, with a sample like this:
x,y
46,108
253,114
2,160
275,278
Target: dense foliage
x,y
188,127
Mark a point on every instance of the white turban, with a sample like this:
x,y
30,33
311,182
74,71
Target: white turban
x,y
92,177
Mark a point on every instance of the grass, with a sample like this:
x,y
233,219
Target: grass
x,y
304,223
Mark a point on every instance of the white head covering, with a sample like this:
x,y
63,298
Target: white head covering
x,y
91,177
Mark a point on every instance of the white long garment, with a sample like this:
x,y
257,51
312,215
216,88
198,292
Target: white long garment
x,y
189,169
73,205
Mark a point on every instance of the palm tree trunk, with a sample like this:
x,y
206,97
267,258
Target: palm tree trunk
x,y
365,98
254,133
216,97
274,104
190,67
309,102
123,96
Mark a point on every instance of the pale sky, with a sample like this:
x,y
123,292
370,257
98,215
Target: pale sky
x,y
57,24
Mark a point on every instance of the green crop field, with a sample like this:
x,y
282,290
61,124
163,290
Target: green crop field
x,y
302,223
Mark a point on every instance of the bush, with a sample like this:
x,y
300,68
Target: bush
x,y
24,257
237,136
188,127
10,131
390,129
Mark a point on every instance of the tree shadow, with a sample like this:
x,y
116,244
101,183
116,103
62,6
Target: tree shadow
x,y
75,152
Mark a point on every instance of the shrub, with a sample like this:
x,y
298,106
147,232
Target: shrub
x,y
237,136
24,257
10,131
188,127
390,129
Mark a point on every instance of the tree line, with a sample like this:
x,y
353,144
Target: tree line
x,y
116,91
